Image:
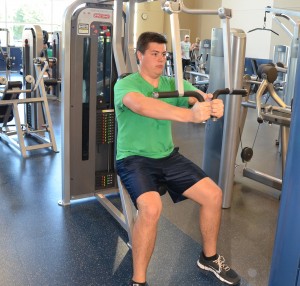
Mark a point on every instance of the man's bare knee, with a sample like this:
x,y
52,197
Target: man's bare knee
x,y
150,207
216,197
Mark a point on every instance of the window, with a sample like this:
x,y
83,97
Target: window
x,y
17,13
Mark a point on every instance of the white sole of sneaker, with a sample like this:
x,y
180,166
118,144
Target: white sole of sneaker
x,y
211,270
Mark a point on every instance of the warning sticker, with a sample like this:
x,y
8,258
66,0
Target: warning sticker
x,y
83,29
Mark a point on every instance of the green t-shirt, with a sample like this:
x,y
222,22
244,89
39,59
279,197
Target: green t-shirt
x,y
141,135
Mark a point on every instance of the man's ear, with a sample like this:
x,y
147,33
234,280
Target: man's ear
x,y
138,56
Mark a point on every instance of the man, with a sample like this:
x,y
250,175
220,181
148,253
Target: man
x,y
147,159
185,51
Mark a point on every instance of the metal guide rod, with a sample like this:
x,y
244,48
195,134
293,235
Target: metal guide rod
x,y
175,32
173,8
129,32
233,79
117,35
227,50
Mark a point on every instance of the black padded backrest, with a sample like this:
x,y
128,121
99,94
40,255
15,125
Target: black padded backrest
x,y
17,85
14,84
123,75
9,86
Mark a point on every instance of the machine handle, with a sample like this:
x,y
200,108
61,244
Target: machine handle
x,y
168,94
216,93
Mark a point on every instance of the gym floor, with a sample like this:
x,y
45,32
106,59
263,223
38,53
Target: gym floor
x,y
42,243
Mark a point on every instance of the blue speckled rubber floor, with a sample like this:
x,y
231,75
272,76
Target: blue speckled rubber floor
x,y
83,245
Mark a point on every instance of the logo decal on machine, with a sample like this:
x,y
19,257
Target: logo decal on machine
x,y
101,16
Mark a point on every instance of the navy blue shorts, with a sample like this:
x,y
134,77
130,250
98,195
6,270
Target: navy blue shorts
x,y
174,174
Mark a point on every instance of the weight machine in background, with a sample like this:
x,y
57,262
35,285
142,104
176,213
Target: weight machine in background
x,y
14,133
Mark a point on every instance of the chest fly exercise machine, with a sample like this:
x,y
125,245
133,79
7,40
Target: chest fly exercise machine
x,y
97,47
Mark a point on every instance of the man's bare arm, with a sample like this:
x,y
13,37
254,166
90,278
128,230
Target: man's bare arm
x,y
158,109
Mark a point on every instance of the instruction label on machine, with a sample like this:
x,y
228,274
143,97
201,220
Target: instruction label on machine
x,y
87,16
83,29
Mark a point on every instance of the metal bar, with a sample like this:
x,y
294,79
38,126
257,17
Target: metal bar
x,y
285,132
253,81
21,101
117,214
129,210
250,104
21,91
9,141
275,96
198,11
290,34
259,93
276,119
282,11
263,178
38,146
198,74
22,146
41,74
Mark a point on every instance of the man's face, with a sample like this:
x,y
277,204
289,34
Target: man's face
x,y
153,60
186,39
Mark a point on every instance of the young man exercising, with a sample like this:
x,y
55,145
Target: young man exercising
x,y
147,159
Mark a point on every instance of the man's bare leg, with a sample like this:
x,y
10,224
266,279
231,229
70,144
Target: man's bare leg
x,y
144,233
209,196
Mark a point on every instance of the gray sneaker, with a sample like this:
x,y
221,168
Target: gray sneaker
x,y
220,269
